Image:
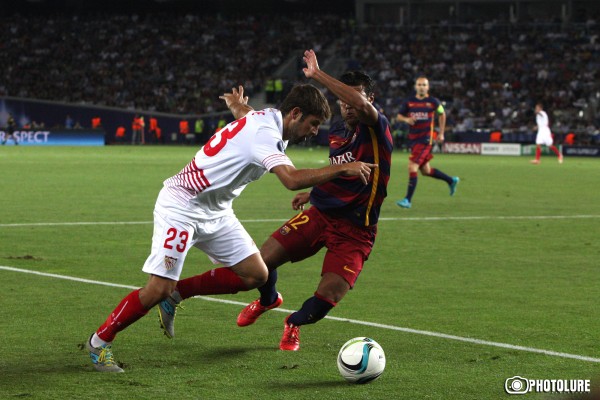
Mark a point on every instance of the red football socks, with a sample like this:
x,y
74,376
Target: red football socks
x,y
216,281
129,310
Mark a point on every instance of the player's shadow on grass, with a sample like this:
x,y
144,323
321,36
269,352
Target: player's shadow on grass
x,y
233,352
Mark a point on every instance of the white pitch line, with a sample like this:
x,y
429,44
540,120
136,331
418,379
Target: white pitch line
x,y
74,223
352,321
250,221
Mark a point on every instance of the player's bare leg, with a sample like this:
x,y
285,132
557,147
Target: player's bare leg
x,y
245,275
274,255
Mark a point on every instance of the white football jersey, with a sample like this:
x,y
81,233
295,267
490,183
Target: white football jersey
x,y
238,154
541,120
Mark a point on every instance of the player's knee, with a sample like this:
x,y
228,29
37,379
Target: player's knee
x,y
156,290
163,289
332,288
332,296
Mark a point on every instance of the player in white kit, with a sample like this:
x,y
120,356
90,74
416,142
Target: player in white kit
x,y
194,208
544,135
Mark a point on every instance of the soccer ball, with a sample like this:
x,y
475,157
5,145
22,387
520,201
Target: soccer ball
x,y
361,360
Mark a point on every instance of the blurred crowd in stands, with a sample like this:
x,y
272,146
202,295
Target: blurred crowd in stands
x,y
489,75
170,63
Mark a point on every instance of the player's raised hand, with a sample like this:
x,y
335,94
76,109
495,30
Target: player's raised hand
x,y
312,66
300,200
236,96
360,169
237,102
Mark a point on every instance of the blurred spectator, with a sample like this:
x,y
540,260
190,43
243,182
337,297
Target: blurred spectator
x,y
199,130
278,86
69,122
154,130
184,130
11,126
120,134
270,90
137,129
96,123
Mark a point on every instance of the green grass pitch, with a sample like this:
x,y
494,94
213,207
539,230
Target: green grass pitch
x,y
511,259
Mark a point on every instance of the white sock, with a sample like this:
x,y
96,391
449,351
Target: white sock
x,y
96,341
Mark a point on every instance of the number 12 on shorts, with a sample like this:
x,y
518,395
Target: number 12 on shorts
x,y
177,239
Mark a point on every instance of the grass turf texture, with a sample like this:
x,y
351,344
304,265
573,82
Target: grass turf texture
x,y
476,265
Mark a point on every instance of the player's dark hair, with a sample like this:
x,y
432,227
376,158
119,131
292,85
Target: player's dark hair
x,y
309,99
359,78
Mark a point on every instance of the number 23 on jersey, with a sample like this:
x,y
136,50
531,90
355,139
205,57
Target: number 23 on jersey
x,y
176,239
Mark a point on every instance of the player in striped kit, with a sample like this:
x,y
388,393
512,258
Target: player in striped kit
x,y
344,213
544,135
194,209
418,112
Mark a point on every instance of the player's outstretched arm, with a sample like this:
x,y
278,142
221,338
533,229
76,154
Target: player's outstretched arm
x,y
296,179
237,102
365,110
442,126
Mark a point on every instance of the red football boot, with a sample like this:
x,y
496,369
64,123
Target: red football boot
x,y
254,310
290,341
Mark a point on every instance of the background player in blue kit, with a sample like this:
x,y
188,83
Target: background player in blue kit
x,y
418,112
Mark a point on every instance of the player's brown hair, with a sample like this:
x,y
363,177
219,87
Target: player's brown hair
x,y
309,99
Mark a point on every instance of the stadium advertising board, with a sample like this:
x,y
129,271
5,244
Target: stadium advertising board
x,y
500,149
462,148
530,149
76,137
581,151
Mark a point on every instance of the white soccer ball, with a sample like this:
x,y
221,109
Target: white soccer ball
x,y
361,360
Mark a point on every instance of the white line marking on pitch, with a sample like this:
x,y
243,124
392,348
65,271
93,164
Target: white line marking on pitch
x,y
250,221
352,321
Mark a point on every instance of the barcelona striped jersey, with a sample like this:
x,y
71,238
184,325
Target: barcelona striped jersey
x,y
347,196
423,111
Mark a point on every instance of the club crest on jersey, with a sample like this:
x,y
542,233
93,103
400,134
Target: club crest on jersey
x,y
284,230
170,263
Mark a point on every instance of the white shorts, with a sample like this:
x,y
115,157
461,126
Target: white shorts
x,y
544,136
223,239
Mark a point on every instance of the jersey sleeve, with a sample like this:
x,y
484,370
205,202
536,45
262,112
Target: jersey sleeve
x,y
403,108
382,128
439,108
269,149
